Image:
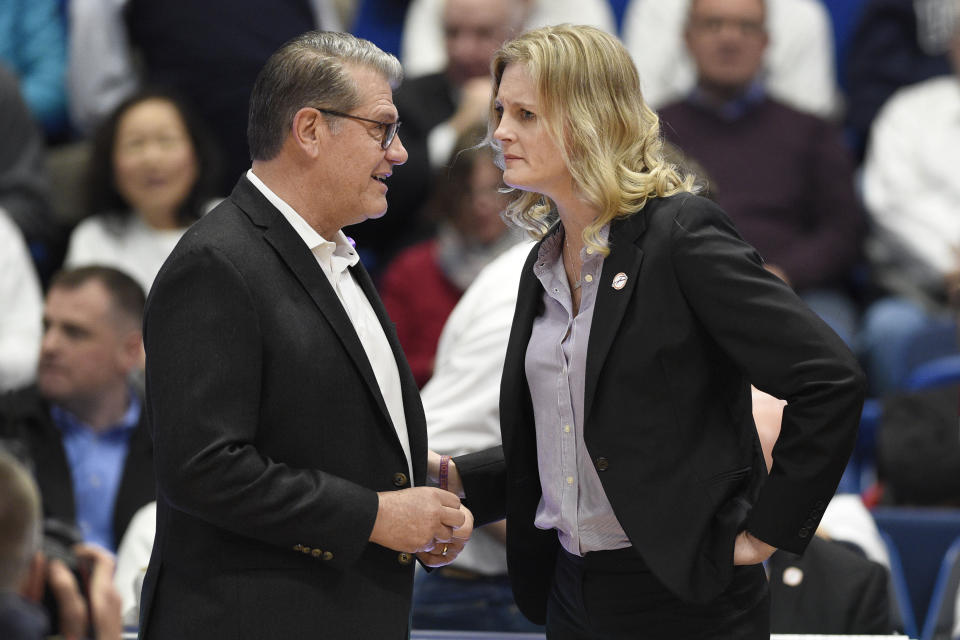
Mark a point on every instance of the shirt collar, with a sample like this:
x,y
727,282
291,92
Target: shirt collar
x,y
339,250
730,110
68,422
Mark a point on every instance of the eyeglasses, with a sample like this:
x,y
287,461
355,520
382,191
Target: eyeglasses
x,y
388,129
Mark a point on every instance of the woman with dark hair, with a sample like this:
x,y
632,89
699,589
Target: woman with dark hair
x,y
637,499
151,175
424,282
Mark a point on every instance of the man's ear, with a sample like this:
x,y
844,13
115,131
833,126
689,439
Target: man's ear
x,y
309,130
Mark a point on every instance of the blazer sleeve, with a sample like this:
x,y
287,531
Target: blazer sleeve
x,y
204,361
784,349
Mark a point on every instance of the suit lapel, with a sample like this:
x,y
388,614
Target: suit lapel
x,y
612,303
294,252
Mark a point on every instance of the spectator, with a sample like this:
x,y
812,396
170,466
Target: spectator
x,y
423,35
81,424
918,452
461,406
25,572
152,174
20,311
798,68
23,178
33,46
912,194
436,110
424,282
896,43
784,177
210,52
20,533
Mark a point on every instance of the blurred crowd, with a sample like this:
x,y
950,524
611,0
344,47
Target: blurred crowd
x,y
825,130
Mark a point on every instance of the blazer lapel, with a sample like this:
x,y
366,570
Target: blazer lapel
x,y
612,302
292,250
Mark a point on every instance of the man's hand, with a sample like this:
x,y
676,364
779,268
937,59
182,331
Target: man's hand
x,y
446,552
414,520
474,106
750,550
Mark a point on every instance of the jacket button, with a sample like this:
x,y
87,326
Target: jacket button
x,y
297,547
306,550
405,558
809,523
602,464
399,479
327,556
804,532
316,553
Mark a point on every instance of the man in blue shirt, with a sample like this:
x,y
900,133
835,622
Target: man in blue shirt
x,y
81,423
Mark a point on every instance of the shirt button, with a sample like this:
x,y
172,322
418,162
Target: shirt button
x,y
589,251
588,278
569,479
566,428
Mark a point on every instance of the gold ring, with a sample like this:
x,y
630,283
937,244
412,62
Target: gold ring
x,y
444,552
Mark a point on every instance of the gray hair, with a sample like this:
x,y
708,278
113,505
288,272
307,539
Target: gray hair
x,y
309,71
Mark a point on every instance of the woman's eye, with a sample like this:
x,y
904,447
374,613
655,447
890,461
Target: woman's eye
x,y
527,115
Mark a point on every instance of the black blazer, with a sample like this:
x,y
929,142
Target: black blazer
x,y
667,406
830,589
25,418
272,439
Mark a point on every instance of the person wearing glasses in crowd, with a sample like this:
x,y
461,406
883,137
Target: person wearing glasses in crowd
x,y
631,476
290,440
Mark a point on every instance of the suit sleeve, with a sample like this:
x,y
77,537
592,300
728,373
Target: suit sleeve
x,y
204,361
784,349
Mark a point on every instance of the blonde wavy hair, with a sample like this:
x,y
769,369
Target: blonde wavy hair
x,y
590,102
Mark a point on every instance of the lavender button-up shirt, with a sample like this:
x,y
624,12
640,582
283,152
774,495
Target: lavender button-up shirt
x,y
574,502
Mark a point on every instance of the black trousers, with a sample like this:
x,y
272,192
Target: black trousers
x,y
611,595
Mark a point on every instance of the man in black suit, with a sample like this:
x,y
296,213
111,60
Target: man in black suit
x,y
290,439
80,426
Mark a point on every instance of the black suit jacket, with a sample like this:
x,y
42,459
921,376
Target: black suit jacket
x,y
25,418
830,589
272,439
667,407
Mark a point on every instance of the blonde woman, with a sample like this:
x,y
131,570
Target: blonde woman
x,y
637,500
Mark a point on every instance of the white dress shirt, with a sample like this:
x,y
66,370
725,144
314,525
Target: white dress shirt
x,y
335,257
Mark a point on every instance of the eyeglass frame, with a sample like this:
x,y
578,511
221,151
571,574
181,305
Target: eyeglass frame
x,y
389,129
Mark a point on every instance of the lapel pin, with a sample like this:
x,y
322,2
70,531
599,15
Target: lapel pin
x,y
619,281
792,576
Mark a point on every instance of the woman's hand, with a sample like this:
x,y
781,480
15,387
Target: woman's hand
x,y
750,550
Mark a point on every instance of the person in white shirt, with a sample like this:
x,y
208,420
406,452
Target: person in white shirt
x,y
799,67
21,309
152,174
911,192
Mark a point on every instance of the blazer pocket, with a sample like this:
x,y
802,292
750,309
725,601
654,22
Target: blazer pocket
x,y
727,476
